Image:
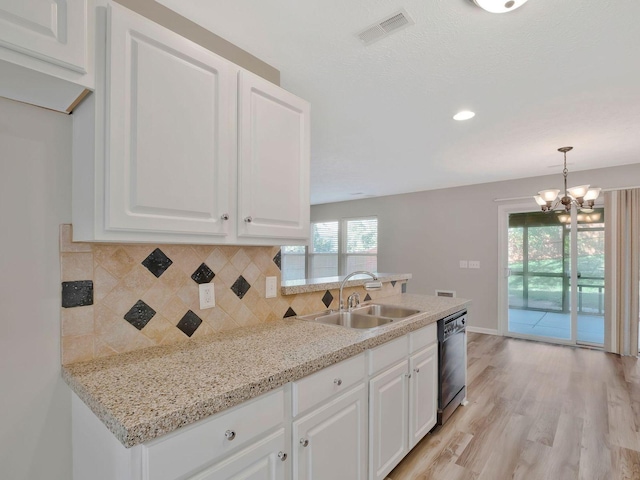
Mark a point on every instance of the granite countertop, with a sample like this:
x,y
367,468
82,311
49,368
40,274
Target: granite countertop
x,y
307,285
144,394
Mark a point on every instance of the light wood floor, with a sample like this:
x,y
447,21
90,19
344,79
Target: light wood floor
x,y
536,411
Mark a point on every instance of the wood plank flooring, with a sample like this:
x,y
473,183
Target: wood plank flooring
x,y
536,412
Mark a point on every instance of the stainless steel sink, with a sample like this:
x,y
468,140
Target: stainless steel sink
x,y
390,311
368,316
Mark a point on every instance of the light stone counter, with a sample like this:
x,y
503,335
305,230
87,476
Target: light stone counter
x,y
308,285
148,393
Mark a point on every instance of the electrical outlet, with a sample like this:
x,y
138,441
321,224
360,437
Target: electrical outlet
x,y
207,296
464,264
474,264
270,289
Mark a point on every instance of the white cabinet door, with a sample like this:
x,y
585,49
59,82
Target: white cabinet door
x,y
388,405
273,160
264,460
50,30
331,441
169,131
423,393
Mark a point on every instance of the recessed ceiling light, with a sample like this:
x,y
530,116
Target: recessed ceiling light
x,y
464,115
499,6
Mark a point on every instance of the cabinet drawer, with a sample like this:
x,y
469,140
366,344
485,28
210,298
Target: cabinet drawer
x,y
318,387
423,337
189,449
386,355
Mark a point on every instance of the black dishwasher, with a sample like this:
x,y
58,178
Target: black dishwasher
x,y
451,367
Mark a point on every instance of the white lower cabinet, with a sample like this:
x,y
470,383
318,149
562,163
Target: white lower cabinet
x,y
332,439
265,460
423,393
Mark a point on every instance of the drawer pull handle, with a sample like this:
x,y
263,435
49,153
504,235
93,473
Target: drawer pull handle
x,y
225,216
337,381
417,370
229,435
282,456
304,442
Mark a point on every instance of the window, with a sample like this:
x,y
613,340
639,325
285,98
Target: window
x,y
336,247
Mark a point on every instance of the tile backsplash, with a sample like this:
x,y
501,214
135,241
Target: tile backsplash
x,y
122,297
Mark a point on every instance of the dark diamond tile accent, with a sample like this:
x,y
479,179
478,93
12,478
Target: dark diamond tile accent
x,y
367,298
139,315
290,313
278,259
240,287
203,274
157,262
327,298
77,294
189,323
393,283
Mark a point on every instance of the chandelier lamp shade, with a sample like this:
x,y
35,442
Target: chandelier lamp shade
x,y
582,196
499,6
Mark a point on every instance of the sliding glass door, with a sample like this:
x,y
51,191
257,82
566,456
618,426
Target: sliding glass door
x,y
539,278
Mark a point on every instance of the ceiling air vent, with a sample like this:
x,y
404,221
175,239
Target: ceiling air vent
x,y
393,23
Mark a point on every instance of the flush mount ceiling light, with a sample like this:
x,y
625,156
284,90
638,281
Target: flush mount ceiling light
x,y
464,115
582,196
499,6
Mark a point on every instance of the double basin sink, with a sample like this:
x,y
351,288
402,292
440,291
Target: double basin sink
x,y
368,316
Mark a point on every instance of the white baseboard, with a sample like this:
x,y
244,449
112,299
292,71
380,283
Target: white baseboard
x,y
486,331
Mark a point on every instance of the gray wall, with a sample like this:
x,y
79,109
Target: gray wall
x,y
428,233
35,197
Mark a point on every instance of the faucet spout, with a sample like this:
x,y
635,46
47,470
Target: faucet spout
x,y
359,272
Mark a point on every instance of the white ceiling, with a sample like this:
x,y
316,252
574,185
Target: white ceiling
x,y
549,74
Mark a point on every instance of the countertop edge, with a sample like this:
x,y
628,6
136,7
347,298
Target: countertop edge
x,y
317,285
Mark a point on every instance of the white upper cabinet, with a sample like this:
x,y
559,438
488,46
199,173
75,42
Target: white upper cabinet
x,y
169,132
156,147
45,51
273,166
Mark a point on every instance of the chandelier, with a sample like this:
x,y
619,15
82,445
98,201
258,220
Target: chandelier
x,y
581,196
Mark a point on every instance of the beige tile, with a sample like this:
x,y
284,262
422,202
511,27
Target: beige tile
x,y
245,317
103,283
101,349
260,285
227,300
219,320
174,310
77,349
174,335
203,251
184,258
102,252
124,337
228,275
174,278
76,266
76,321
229,250
216,260
157,329
158,295
203,330
240,260
120,299
299,304
139,280
280,307
138,252
67,245
105,319
251,273
261,310
190,295
262,260
118,264
251,298
273,317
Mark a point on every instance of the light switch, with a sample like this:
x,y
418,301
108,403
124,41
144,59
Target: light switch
x,y
464,264
270,289
474,264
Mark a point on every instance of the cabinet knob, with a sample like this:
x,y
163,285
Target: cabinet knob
x,y
248,219
304,442
337,381
225,216
282,456
417,370
229,435
408,375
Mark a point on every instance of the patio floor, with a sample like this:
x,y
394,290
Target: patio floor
x,y
556,325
